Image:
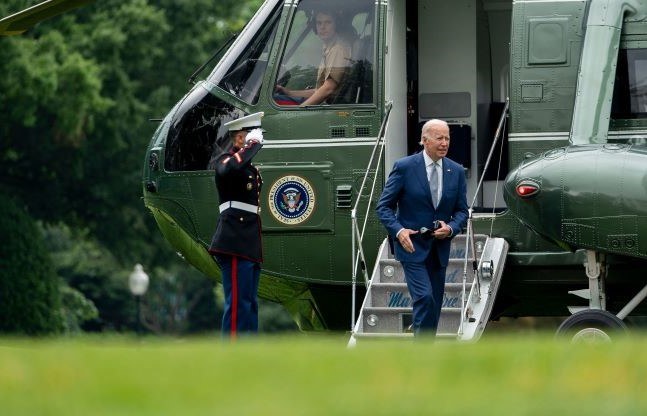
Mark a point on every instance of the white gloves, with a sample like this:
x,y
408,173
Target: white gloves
x,y
254,135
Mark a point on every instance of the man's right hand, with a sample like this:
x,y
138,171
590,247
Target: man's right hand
x,y
405,240
254,135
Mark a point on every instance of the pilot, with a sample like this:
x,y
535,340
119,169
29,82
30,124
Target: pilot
x,y
236,244
335,61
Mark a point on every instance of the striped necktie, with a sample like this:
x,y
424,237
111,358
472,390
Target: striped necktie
x,y
433,184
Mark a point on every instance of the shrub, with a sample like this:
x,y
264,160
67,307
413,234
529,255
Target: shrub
x,y
30,301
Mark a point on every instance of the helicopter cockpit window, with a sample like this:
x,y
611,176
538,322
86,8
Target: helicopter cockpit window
x,y
329,54
630,89
245,76
197,133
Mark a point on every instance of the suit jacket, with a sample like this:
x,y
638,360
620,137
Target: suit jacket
x,y
406,203
238,232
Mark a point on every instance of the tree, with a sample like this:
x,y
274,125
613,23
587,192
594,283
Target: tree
x,y
181,301
30,300
77,93
94,280
80,90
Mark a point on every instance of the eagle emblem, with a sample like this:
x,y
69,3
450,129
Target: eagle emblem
x,y
291,200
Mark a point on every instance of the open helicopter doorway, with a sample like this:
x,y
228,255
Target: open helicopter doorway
x,y
457,66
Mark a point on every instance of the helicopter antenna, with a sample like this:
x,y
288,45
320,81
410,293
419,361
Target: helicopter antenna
x,y
197,71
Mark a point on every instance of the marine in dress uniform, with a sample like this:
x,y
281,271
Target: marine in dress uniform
x,y
236,245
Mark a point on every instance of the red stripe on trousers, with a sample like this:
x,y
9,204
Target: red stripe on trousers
x,y
234,295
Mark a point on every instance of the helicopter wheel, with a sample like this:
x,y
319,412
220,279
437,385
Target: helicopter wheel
x,y
590,326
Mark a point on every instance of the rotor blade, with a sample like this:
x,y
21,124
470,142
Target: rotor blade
x,y
19,22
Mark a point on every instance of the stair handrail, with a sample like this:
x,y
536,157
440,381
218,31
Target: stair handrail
x,y
469,247
357,257
469,238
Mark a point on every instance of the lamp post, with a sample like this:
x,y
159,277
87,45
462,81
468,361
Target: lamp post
x,y
138,284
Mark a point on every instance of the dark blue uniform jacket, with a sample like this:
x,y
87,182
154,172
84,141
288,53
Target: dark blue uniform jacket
x,y
238,232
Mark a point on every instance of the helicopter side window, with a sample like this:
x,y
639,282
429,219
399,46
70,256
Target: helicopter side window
x,y
197,131
630,89
245,76
330,43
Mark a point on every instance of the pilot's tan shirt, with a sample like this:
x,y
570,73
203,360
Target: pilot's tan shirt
x,y
335,61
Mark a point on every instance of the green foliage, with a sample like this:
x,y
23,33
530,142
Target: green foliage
x,y
76,309
95,276
180,301
29,289
77,92
272,318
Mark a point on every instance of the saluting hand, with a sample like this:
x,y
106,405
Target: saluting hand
x,y
254,135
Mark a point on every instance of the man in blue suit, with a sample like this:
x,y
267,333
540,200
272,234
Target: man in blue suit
x,y
421,189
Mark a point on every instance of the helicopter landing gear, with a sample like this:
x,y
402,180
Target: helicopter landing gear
x,y
596,271
591,325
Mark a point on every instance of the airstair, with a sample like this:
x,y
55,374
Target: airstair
x,y
471,284
472,279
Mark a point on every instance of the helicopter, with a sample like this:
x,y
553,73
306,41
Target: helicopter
x,y
554,88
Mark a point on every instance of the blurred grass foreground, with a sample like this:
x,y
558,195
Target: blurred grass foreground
x,y
319,375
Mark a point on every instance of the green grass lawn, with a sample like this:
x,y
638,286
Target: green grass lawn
x,y
318,375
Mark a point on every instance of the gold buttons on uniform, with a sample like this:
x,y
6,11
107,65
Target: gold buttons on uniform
x,y
249,186
241,219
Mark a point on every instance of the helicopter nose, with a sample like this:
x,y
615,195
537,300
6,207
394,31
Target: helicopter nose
x,y
521,193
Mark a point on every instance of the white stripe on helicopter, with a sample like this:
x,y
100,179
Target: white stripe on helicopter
x,y
563,135
368,141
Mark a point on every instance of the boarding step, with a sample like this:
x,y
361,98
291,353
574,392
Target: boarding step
x,y
387,307
404,335
397,294
396,320
391,271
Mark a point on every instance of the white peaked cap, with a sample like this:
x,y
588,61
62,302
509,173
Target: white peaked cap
x,y
251,121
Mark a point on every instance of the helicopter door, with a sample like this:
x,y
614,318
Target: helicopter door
x,y
320,137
